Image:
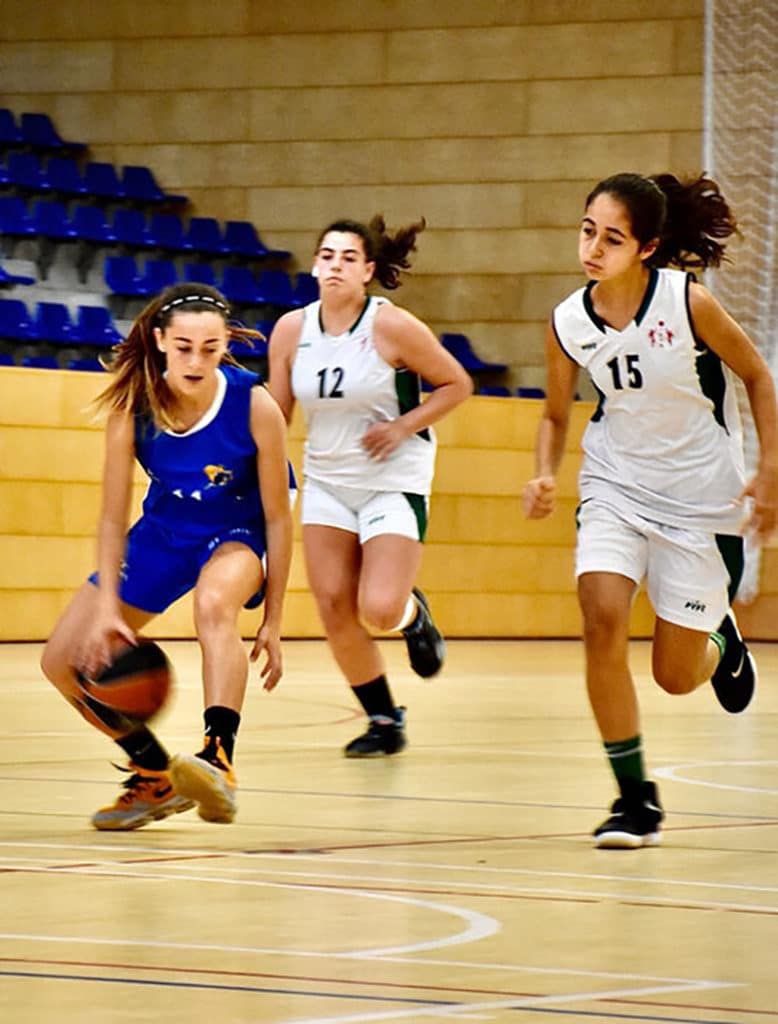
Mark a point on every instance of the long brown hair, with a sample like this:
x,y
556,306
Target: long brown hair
x,y
690,216
138,385
389,250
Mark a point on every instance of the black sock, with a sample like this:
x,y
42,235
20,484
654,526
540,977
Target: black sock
x,y
144,749
222,723
376,698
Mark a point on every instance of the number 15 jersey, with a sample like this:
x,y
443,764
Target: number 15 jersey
x,y
344,386
665,440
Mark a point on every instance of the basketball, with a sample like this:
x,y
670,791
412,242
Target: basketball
x,y
134,686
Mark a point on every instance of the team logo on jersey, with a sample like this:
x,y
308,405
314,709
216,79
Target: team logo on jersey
x,y
218,476
660,336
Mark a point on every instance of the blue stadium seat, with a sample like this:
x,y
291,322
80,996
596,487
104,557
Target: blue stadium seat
x,y
39,132
139,184
239,285
90,225
14,218
10,133
265,327
530,393
306,289
160,274
204,235
15,323
241,239
495,390
243,350
102,181
200,273
131,229
122,278
275,289
26,172
52,323
64,176
51,220
94,326
41,362
460,348
90,364
6,359
169,232
9,280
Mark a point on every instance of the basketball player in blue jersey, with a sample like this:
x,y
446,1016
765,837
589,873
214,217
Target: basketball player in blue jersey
x,y
216,520
353,361
662,482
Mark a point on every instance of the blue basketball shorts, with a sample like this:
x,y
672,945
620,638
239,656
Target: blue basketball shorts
x,y
160,566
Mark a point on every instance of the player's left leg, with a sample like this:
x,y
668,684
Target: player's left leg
x,y
228,580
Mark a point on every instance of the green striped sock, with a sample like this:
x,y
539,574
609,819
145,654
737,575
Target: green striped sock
x,y
626,761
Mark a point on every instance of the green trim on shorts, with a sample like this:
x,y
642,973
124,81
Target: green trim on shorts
x,y
731,550
419,505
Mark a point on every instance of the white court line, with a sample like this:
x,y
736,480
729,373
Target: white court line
x,y
224,855
465,1010
674,984
673,772
479,926
153,872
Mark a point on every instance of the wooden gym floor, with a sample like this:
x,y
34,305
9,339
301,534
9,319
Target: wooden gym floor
x,y
455,882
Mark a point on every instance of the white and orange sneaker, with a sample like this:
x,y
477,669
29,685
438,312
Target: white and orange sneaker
x,y
147,796
207,778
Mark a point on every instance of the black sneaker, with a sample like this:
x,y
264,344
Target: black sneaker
x,y
426,647
633,823
735,677
382,737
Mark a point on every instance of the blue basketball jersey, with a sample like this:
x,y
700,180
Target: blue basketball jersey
x,y
204,480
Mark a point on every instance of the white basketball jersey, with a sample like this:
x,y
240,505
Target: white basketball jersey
x,y
665,440
344,386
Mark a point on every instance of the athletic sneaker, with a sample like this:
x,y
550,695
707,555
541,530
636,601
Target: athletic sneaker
x,y
426,647
208,779
735,677
633,822
382,737
148,796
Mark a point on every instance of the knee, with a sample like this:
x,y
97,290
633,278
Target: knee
x,y
382,611
604,627
335,610
674,679
211,610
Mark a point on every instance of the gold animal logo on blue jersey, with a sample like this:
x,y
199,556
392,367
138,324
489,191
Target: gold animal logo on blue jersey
x,y
218,476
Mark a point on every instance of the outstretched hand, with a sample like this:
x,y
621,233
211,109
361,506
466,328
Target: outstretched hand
x,y
537,499
269,642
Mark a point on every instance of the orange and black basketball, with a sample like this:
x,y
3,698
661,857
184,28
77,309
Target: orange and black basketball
x,y
133,687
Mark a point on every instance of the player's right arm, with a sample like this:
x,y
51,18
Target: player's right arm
x,y
282,349
108,622
561,379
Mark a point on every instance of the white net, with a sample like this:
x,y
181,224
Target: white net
x,y
740,150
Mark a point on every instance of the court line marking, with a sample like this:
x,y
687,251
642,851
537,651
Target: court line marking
x,y
478,926
673,772
422,1007
168,856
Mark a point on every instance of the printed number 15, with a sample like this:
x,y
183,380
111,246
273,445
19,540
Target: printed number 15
x,y
634,376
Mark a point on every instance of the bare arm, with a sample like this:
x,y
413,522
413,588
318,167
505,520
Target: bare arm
x,y
730,342
281,352
95,650
561,378
405,341
269,432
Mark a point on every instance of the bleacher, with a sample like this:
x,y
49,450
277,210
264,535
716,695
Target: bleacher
x,y
85,244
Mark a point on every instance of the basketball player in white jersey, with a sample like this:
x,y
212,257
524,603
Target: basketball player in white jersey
x,y
662,482
353,361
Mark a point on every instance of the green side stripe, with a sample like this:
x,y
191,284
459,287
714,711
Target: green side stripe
x,y
408,390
